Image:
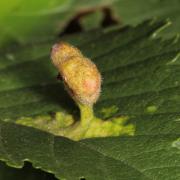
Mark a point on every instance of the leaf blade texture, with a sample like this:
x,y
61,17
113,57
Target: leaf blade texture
x,y
141,79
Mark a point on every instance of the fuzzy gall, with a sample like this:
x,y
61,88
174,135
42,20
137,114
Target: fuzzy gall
x,y
80,75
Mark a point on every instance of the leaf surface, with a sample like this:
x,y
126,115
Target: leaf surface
x,y
140,78
134,12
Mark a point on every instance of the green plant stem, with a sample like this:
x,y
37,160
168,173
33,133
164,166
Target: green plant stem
x,y
87,115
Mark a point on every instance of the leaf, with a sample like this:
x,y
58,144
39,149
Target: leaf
x,y
140,78
134,12
24,21
153,156
63,157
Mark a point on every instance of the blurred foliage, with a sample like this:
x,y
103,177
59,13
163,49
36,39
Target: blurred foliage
x,y
22,20
135,11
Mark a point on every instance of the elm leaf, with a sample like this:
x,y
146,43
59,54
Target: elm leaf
x,y
140,81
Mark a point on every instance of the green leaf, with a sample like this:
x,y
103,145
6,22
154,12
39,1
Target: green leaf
x,y
24,21
134,12
140,81
65,158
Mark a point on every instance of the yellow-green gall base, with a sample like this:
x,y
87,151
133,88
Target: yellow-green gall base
x,y
89,126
